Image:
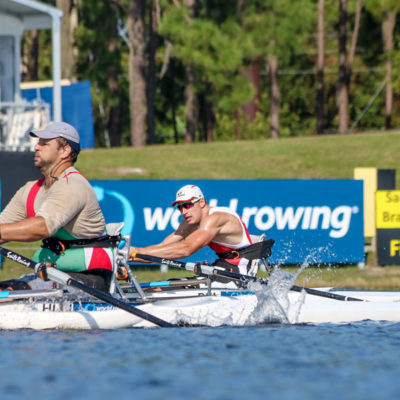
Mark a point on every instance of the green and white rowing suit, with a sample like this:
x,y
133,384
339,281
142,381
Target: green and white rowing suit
x,y
71,211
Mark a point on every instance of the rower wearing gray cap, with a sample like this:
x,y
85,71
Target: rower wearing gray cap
x,y
63,206
60,130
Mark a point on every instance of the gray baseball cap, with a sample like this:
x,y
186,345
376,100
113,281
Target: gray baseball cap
x,y
59,129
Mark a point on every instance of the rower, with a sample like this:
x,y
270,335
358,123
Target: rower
x,y
61,206
218,227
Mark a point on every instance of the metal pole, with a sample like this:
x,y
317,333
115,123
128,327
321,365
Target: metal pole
x,y
17,60
56,58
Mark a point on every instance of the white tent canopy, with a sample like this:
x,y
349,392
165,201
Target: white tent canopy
x,y
16,16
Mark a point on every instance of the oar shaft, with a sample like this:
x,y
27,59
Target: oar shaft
x,y
120,304
325,294
171,263
208,270
23,294
244,278
17,258
155,284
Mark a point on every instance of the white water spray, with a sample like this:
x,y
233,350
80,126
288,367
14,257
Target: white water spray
x,y
273,303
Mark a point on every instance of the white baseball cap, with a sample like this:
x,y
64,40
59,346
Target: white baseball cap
x,y
188,193
59,129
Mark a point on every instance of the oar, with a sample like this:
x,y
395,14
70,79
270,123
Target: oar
x,y
295,288
64,279
157,284
213,270
22,294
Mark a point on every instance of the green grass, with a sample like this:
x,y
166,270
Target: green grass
x,y
327,156
314,157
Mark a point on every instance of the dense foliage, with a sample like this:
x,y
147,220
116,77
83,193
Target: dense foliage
x,y
226,46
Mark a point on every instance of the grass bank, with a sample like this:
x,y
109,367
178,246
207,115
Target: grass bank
x,y
314,157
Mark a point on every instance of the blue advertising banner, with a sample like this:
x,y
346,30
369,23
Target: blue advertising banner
x,y
76,107
313,221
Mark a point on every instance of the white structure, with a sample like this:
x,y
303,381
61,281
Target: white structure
x,y
16,16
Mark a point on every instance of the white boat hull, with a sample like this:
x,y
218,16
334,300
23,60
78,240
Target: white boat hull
x,y
379,306
193,307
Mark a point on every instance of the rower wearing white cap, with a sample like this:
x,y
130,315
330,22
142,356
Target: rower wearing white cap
x,y
218,227
61,206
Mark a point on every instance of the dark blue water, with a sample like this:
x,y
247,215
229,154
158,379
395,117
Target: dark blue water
x,y
357,361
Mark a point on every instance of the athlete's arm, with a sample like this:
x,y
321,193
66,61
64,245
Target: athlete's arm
x,y
188,245
27,230
179,235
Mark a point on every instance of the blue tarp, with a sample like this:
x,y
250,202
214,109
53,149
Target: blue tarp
x,y
76,107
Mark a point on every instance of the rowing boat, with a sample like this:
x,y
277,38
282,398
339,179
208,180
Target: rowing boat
x,y
198,301
194,307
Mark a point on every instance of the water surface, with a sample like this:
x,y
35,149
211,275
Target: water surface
x,y
354,361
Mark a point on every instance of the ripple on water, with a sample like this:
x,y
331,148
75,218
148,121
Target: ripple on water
x,y
276,361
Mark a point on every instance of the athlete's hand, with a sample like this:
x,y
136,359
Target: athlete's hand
x,y
132,253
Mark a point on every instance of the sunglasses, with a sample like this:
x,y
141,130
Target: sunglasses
x,y
186,206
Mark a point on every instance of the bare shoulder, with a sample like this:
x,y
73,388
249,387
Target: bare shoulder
x,y
184,229
215,220
225,223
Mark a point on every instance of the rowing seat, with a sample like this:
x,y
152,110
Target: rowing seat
x,y
114,228
119,252
257,264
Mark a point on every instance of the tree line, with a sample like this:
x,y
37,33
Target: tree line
x,y
172,71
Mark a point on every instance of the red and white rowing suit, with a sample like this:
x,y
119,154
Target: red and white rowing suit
x,y
219,247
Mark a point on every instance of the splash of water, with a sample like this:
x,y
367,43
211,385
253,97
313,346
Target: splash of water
x,y
273,303
270,303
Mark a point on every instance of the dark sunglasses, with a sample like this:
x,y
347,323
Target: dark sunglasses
x,y
185,206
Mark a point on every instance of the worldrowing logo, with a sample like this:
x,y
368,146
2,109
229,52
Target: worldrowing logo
x,y
335,220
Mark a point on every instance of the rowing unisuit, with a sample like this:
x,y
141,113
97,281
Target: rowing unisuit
x,y
220,248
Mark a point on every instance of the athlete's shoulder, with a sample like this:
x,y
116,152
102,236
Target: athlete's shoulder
x,y
221,211
72,172
71,177
27,187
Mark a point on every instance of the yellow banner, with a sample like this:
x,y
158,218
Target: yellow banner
x,y
388,209
370,178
